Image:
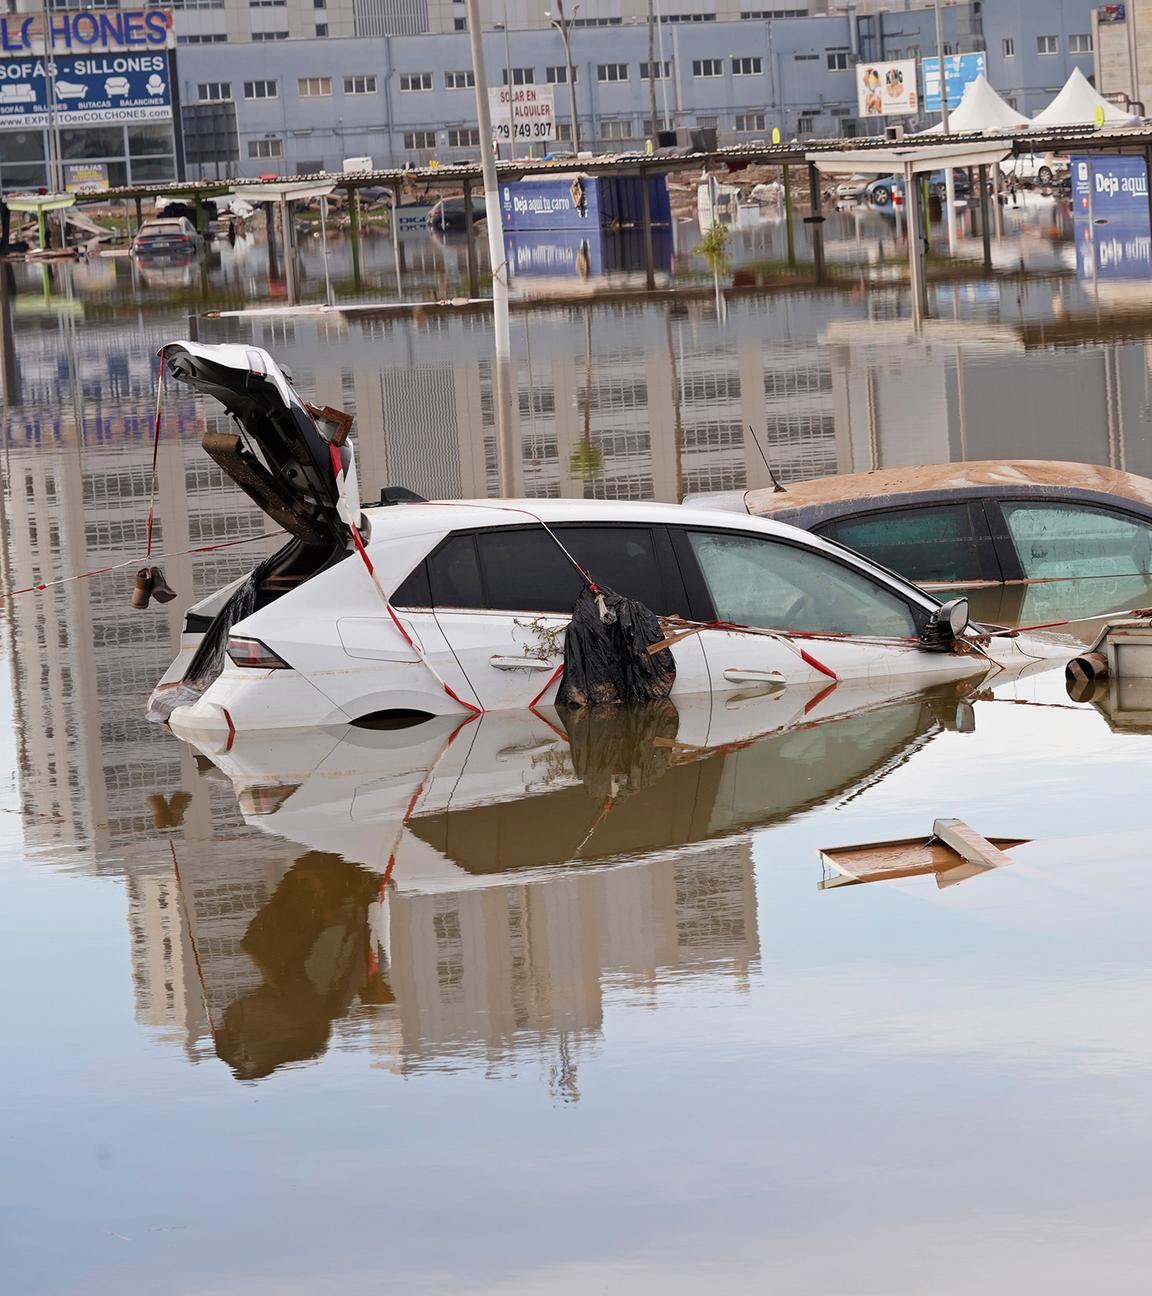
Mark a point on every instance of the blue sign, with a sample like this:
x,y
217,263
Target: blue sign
x,y
1110,189
1114,252
76,31
88,88
960,70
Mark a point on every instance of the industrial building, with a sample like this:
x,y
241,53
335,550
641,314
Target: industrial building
x,y
391,79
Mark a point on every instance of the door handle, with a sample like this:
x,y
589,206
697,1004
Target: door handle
x,y
521,663
738,675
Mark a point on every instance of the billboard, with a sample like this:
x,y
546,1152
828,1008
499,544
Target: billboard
x,y
86,177
1110,189
533,113
86,88
887,89
86,31
960,70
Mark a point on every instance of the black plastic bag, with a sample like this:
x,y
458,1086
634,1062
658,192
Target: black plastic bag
x,y
606,657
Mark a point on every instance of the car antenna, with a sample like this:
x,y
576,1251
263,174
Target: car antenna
x,y
777,489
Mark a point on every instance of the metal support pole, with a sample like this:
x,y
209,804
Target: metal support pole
x,y
139,214
354,231
915,246
469,237
789,226
817,220
646,228
270,229
998,206
949,178
985,220
198,209
561,24
289,249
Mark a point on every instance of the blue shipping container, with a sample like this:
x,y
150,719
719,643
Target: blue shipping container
x,y
578,202
1110,188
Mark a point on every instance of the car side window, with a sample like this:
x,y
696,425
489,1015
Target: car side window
x,y
763,582
947,542
523,569
1067,540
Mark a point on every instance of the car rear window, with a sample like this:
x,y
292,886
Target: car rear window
x,y
523,569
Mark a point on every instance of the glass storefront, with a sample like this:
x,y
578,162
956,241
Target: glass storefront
x,y
140,153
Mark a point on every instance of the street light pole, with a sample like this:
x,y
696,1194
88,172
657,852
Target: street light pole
x,y
949,178
561,24
508,78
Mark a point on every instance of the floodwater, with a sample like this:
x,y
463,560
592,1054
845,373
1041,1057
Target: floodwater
x,y
528,1006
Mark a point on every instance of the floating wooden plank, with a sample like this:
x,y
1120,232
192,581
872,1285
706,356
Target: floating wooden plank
x,y
953,852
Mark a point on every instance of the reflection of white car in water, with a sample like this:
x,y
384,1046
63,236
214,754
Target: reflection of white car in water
x,y
17,93
116,85
70,90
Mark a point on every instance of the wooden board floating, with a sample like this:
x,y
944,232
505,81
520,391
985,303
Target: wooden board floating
x,y
952,851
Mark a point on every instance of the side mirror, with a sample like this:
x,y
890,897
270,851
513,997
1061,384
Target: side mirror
x,y
948,624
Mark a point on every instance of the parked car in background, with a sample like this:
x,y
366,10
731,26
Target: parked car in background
x,y
852,189
881,190
1035,168
449,214
170,238
1016,523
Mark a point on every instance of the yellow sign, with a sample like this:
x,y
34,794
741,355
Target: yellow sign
x,y
1099,115
775,134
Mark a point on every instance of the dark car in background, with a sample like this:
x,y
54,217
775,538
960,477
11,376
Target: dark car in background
x,y
1038,535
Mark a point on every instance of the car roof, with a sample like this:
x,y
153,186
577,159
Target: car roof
x,y
885,486
442,516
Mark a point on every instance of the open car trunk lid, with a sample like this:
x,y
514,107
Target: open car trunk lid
x,y
278,450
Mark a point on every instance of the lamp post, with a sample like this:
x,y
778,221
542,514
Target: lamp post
x,y
560,22
508,81
949,178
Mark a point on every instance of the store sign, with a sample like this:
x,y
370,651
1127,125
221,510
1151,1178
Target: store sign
x,y
86,177
960,70
532,112
1110,188
87,89
86,31
887,89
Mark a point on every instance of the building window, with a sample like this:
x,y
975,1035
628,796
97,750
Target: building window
x,y
1081,44
413,81
1008,45
267,4
563,132
747,66
356,85
837,60
812,58
1047,44
260,90
612,129
265,148
321,29
521,76
805,125
656,71
559,75
269,36
314,87
460,80
611,71
203,38
214,91
747,122
414,140
319,4
707,67
464,137
459,24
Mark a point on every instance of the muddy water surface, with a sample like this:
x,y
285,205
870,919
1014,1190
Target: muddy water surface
x,y
592,1014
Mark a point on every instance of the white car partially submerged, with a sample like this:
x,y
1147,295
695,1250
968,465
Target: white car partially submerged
x,y
388,613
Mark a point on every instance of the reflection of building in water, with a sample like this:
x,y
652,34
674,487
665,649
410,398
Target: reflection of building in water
x,y
291,952
495,970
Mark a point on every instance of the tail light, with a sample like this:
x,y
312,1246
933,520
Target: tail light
x,y
254,654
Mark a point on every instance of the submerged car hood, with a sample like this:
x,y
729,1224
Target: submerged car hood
x,y
275,450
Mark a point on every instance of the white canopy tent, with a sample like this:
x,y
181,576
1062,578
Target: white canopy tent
x,y
981,110
1079,104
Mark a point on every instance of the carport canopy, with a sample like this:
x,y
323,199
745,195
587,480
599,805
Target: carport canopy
x,y
921,158
281,190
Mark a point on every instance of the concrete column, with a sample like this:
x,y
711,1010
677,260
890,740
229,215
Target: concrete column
x,y
915,245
